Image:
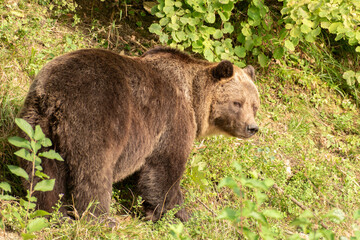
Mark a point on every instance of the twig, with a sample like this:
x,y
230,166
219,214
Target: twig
x,y
357,184
209,209
279,190
133,41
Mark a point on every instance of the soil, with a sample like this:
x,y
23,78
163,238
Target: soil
x,y
128,24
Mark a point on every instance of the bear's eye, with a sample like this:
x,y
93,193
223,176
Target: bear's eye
x,y
237,104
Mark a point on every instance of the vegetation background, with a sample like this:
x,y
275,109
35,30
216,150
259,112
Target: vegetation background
x,y
309,140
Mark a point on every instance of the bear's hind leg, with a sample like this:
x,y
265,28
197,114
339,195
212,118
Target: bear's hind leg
x,y
91,183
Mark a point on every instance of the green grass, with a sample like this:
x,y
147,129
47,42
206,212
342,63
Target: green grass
x,y
309,139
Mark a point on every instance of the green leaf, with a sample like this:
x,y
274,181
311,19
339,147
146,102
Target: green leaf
x,y
218,34
181,36
305,29
168,10
269,182
5,186
310,37
178,4
349,76
259,216
45,185
228,8
327,234
27,205
32,198
224,16
155,28
46,142
39,213
19,142
7,197
357,76
357,214
336,215
210,17
325,25
289,45
272,213
208,30
260,197
254,14
41,175
246,31
164,38
249,44
37,224
35,146
25,126
306,214
18,171
231,183
279,52
228,28
283,33
164,21
26,236
295,32
263,60
240,51
257,40
240,64
250,234
38,135
333,27
229,214
208,54
51,154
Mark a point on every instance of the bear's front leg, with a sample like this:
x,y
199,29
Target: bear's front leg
x,y
159,186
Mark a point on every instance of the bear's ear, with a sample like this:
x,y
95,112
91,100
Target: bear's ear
x,y
224,69
249,70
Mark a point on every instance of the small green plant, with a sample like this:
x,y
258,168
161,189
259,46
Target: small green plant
x,y
177,232
251,220
30,220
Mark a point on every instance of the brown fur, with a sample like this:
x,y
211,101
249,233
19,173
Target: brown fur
x,y
110,116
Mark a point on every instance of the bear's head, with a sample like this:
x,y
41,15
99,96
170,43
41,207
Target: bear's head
x,y
235,101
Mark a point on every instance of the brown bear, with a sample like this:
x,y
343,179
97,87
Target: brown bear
x,y
110,116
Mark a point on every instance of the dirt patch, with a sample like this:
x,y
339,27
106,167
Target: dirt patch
x,y
124,26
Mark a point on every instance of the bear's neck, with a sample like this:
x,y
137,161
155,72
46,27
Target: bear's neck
x,y
192,80
201,102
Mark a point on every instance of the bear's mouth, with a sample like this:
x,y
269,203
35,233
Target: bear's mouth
x,y
244,134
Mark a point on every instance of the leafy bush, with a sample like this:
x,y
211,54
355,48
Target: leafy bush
x,y
234,29
30,221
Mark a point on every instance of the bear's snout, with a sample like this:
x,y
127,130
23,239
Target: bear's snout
x,y
251,129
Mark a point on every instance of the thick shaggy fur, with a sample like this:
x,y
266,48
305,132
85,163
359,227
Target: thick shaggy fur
x,y
110,116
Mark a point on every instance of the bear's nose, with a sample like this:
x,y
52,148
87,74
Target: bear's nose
x,y
252,129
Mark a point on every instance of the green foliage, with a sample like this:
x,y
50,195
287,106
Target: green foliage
x,y
308,141
234,29
250,220
177,232
30,221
